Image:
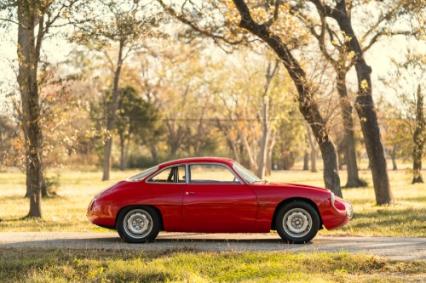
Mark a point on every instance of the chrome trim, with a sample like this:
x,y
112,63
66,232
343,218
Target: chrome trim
x,y
332,200
186,173
349,210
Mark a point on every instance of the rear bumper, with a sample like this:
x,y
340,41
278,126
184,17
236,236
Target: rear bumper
x,y
100,214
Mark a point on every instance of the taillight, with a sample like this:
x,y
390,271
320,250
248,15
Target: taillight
x,y
92,202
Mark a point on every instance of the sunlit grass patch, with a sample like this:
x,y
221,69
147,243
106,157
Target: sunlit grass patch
x,y
186,266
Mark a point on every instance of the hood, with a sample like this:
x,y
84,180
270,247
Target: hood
x,y
301,186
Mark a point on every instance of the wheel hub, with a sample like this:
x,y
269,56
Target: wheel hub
x,y
138,223
297,222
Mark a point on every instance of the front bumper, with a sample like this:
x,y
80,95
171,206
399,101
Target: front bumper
x,y
337,213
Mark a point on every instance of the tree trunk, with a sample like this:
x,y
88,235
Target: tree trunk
x,y
248,152
307,105
313,156
306,161
393,158
123,152
27,178
364,105
174,146
271,146
313,151
232,143
234,150
107,158
348,133
264,141
44,188
174,139
110,114
28,54
154,152
269,164
419,139
340,156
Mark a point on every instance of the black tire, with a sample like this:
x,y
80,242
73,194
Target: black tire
x,y
304,212
147,215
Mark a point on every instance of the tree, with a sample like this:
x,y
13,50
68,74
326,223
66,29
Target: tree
x,y
34,20
254,103
313,151
307,105
290,137
60,106
123,25
276,34
364,103
268,132
136,118
411,73
419,138
183,91
8,137
344,60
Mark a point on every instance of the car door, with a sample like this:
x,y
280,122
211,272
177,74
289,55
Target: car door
x,y
216,200
166,193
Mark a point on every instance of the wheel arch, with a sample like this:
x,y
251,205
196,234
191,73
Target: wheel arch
x,y
132,206
289,200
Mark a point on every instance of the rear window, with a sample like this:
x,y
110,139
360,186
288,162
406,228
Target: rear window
x,y
142,175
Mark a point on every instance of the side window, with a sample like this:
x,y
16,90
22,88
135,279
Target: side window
x,y
211,173
170,175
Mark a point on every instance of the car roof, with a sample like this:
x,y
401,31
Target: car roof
x,y
208,159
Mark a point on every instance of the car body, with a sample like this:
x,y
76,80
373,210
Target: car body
x,y
214,195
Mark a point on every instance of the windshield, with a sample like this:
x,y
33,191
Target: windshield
x,y
246,174
142,175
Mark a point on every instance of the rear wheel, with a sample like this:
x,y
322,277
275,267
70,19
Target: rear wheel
x,y
138,225
297,222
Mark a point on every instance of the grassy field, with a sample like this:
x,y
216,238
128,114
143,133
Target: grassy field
x,y
66,212
191,266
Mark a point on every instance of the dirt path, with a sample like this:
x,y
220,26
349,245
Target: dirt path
x,y
394,248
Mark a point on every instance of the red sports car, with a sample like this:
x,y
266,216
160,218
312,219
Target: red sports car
x,y
214,195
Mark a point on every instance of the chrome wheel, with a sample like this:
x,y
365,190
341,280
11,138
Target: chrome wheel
x,y
297,222
138,223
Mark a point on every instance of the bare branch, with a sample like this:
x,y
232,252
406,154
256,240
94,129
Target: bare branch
x,y
196,28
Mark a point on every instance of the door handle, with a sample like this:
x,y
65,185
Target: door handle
x,y
189,193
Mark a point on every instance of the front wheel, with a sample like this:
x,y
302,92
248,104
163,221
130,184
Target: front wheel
x,y
138,225
297,222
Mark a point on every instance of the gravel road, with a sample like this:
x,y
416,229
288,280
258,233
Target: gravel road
x,y
391,247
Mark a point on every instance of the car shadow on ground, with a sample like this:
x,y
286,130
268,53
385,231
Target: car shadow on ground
x,y
396,248
160,243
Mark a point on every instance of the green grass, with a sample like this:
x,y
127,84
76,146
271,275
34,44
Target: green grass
x,y
406,217
187,266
